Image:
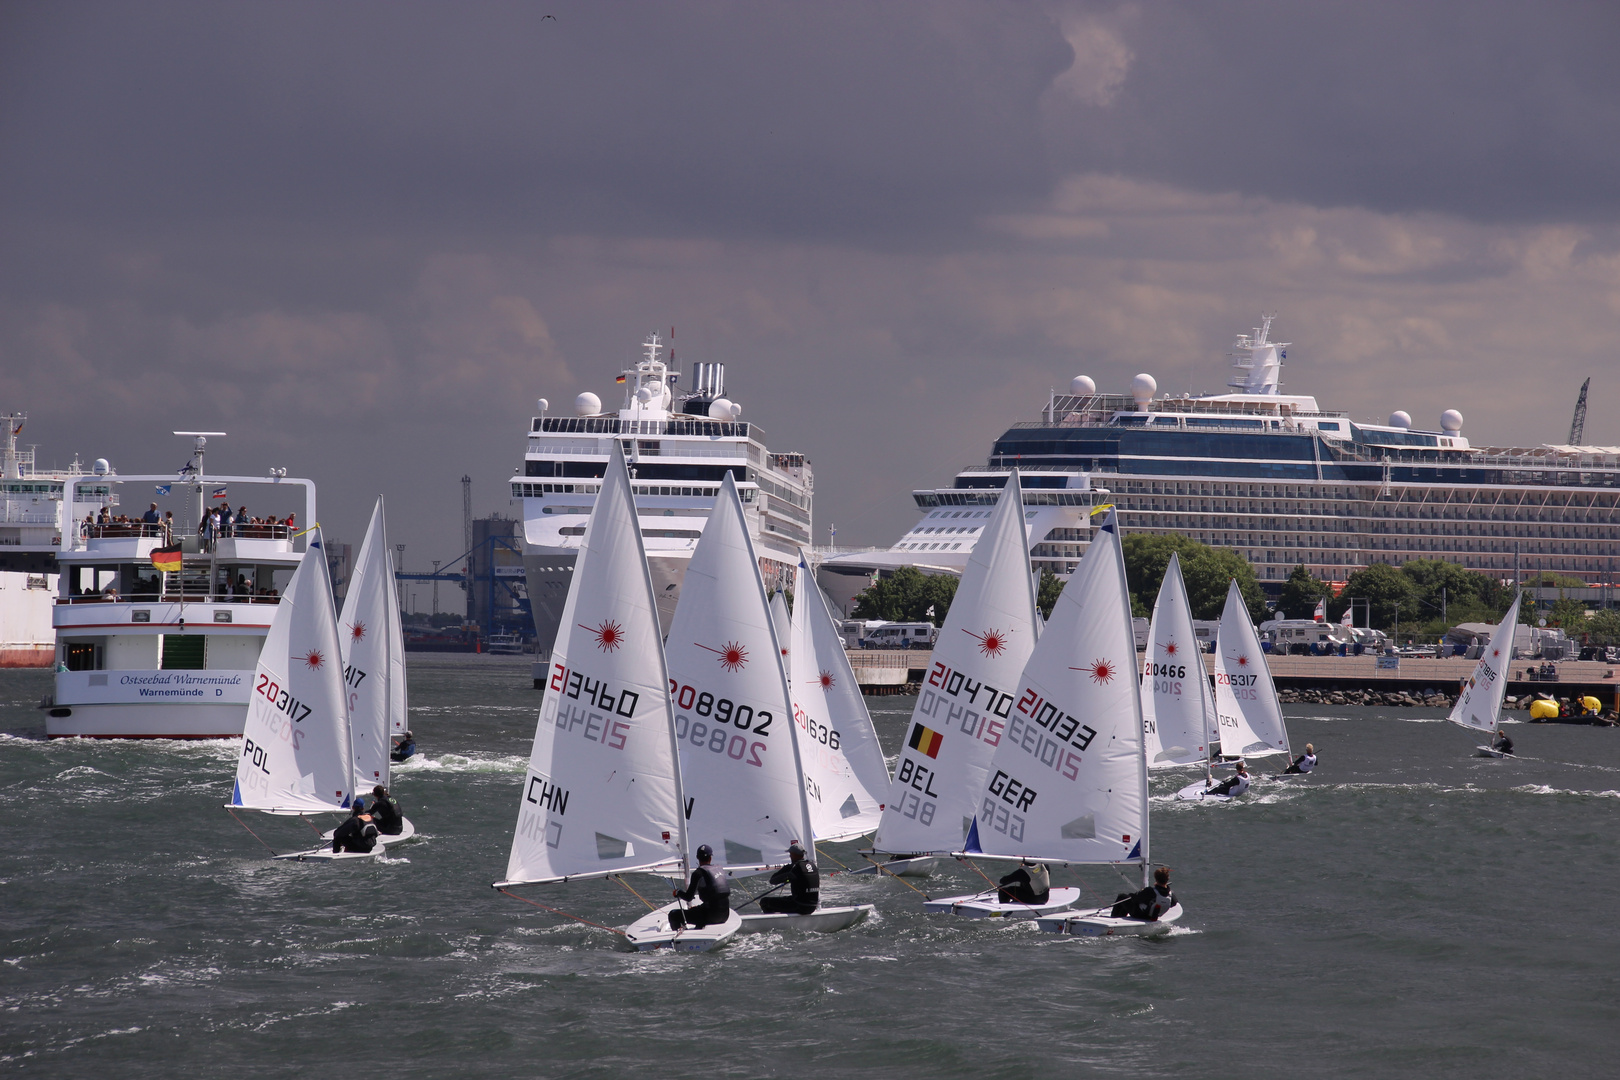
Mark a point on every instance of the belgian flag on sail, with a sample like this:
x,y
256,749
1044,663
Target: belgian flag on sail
x,y
925,741
167,558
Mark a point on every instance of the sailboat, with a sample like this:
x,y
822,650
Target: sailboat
x,y
1246,706
602,793
296,756
966,698
374,664
740,768
845,777
1178,713
1479,706
1068,781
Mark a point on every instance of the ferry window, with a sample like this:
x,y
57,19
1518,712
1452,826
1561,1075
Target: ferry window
x,y
81,656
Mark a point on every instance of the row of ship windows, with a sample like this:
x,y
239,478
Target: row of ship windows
x,y
1540,513
1262,491
1569,530
535,491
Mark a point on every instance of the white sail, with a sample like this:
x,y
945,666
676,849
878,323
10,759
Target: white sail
x,y
1479,706
602,791
967,695
1251,720
733,713
844,776
295,752
1068,782
782,623
399,697
1178,710
365,628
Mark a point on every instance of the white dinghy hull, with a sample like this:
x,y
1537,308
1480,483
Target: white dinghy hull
x,y
1197,792
406,832
1485,751
326,854
827,920
1099,923
652,932
920,867
985,905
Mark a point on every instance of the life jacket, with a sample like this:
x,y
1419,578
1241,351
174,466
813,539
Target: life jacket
x,y
805,883
1159,901
1240,784
715,889
1040,879
1306,762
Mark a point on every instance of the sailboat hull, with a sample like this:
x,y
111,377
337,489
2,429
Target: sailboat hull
x,y
921,867
827,920
1099,923
1485,751
326,854
652,932
985,905
1197,792
407,832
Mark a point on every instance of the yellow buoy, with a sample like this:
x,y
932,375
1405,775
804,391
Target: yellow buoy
x,y
1542,709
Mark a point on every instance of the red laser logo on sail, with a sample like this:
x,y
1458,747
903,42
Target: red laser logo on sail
x,y
733,657
357,631
314,659
1170,648
1243,660
992,643
1101,671
609,636
827,680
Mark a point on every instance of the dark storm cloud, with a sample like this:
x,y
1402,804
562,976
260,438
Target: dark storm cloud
x,y
1496,110
785,118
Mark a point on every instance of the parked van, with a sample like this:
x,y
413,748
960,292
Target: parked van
x,y
882,634
1305,636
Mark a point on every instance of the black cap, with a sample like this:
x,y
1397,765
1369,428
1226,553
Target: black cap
x,y
796,848
705,853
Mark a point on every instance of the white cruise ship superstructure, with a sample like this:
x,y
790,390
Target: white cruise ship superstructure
x,y
679,443
1281,481
33,511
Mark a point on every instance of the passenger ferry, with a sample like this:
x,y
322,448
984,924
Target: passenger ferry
x,y
680,445
32,514
1281,481
145,653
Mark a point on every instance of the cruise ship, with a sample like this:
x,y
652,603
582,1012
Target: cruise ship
x,y
679,443
143,652
1281,481
32,514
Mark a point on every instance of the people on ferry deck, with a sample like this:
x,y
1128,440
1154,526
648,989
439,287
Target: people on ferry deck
x,y
1149,904
1029,883
105,517
151,516
205,530
1305,762
710,886
358,833
385,812
804,884
168,527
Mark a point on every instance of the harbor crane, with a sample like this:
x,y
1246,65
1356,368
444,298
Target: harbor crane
x,y
1577,426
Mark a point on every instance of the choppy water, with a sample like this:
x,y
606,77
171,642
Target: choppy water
x,y
1409,911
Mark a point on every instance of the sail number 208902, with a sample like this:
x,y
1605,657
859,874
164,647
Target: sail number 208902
x,y
717,724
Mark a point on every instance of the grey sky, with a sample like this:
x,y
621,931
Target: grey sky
x,y
362,238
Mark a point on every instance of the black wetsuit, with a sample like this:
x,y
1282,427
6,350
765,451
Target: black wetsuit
x,y
805,886
354,834
1226,787
404,750
1146,905
713,889
1503,744
1018,887
385,812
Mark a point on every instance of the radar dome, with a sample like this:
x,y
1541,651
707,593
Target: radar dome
x,y
587,404
1082,386
736,410
644,395
1143,387
720,409
101,467
1400,418
654,387
544,404
1451,420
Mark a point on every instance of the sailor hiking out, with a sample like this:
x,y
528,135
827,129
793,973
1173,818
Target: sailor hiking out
x,y
712,889
1148,904
357,834
1030,883
1305,762
803,881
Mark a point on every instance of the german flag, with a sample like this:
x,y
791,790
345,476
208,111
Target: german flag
x,y
167,558
925,741
620,379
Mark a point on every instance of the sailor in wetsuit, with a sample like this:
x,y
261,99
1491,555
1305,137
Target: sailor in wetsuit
x,y
1502,744
406,748
1149,904
385,812
1235,785
711,887
358,833
804,882
1030,883
1305,762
